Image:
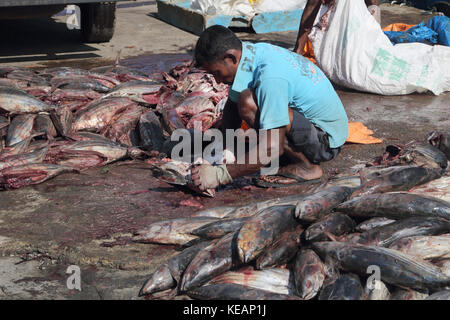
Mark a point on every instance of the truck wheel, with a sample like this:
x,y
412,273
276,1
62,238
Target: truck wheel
x,y
97,21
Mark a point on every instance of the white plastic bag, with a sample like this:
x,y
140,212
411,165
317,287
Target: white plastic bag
x,y
226,7
353,51
278,5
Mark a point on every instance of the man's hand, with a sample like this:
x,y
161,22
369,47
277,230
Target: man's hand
x,y
206,176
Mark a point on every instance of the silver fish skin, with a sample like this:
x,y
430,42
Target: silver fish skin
x,y
108,149
215,212
160,280
176,231
396,268
377,291
218,229
437,189
373,223
424,247
335,223
43,123
135,90
231,291
276,280
385,235
402,294
346,287
16,101
441,295
395,205
309,274
20,128
312,207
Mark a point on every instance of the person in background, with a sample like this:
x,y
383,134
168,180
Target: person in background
x,y
309,16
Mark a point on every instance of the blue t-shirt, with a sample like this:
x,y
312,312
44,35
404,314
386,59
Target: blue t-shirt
x,y
281,79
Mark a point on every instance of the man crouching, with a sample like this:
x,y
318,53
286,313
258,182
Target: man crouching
x,y
277,91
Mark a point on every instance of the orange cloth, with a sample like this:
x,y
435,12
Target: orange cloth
x,y
357,133
308,52
398,27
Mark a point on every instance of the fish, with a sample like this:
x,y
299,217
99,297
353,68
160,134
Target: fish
x,y
21,159
215,212
424,247
16,101
150,131
217,258
335,223
398,205
218,229
62,119
312,207
425,155
281,251
309,274
20,128
18,148
349,181
79,82
60,95
385,235
171,120
402,294
135,90
43,123
192,106
160,280
402,178
63,72
4,122
27,75
444,266
277,280
35,173
437,188
262,230
396,268
100,113
373,223
441,295
231,291
175,231
168,275
120,129
377,290
347,287
441,140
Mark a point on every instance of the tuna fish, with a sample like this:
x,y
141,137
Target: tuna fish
x,y
400,178
79,82
22,159
395,206
20,128
212,261
312,207
262,230
281,251
441,295
279,281
171,120
395,267
99,114
336,224
415,226
218,229
20,176
444,266
231,291
151,132
16,101
437,188
62,120
373,223
176,231
160,280
424,247
401,294
347,287
425,155
135,90
309,274
216,212
43,123
441,141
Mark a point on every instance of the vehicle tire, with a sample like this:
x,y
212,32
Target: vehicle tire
x,y
97,21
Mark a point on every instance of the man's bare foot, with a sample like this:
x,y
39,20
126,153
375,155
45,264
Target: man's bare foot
x,y
309,172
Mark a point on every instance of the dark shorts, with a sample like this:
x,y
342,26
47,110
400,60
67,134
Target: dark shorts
x,y
310,140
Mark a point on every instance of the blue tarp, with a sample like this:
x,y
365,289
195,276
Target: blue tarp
x,y
436,31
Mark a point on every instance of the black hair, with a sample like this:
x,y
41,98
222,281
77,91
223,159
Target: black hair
x,y
214,43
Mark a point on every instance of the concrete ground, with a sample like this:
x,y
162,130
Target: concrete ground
x,y
87,219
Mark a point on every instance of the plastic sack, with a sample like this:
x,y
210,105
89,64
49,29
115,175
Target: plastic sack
x,y
225,7
418,33
441,24
353,51
285,5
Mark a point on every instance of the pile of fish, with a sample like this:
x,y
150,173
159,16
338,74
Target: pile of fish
x,y
380,233
68,119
